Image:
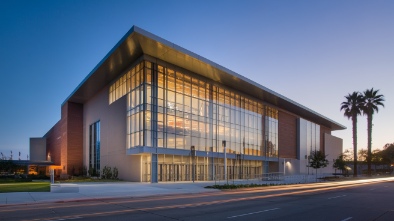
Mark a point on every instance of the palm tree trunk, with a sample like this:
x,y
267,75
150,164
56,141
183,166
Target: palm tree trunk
x,y
354,119
369,156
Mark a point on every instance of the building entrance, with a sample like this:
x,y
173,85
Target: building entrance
x,y
175,168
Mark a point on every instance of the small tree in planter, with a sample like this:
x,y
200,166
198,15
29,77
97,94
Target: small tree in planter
x,y
318,160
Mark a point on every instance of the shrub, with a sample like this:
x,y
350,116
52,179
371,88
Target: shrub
x,y
84,171
115,173
107,173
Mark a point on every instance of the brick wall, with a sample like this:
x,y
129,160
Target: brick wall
x,y
287,135
65,139
74,137
53,139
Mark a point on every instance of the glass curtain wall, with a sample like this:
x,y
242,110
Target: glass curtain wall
x,y
313,137
167,108
271,131
237,120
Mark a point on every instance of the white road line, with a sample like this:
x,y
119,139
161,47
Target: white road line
x,y
336,197
372,189
77,217
247,214
349,218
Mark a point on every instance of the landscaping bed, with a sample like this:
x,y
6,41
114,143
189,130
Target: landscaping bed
x,y
238,186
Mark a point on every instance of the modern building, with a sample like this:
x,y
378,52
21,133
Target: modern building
x,y
159,112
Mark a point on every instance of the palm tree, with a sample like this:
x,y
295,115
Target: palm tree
x,y
372,101
353,107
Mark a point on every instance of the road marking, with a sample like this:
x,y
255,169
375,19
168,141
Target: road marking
x,y
77,217
372,189
247,214
336,197
349,218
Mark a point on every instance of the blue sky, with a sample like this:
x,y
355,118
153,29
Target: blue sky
x,y
313,52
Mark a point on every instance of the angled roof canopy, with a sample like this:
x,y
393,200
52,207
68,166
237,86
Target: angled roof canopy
x,y
137,42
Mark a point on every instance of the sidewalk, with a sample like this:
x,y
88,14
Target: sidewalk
x,y
96,190
86,191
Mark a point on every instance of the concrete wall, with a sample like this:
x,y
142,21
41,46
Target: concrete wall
x,y
113,135
333,150
302,149
289,166
38,149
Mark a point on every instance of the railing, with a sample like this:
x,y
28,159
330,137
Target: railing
x,y
266,178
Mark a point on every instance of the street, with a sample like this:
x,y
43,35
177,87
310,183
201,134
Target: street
x,y
342,201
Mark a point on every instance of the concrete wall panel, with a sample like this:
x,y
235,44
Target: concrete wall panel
x,y
333,150
38,149
113,134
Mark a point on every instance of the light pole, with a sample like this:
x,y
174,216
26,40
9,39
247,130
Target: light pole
x,y
225,160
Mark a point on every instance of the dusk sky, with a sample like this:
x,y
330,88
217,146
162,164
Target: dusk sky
x,y
313,52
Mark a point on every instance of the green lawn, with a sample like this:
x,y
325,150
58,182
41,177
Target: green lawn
x,y
25,187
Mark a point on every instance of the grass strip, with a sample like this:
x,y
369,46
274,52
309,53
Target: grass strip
x,y
25,187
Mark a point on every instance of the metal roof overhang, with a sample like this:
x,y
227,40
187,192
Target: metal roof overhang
x,y
137,42
29,162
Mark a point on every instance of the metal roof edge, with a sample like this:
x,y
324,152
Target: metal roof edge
x,y
136,29
224,69
131,30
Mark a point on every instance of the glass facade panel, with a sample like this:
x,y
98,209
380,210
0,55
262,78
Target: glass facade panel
x,y
171,109
94,149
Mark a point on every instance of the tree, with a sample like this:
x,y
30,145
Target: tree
x,y
362,154
377,158
318,160
387,154
340,164
353,107
372,101
348,155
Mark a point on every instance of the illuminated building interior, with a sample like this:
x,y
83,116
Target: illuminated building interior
x,y
161,113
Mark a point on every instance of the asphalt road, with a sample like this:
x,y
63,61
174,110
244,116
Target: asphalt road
x,y
342,201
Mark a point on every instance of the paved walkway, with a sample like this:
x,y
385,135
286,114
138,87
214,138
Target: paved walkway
x,y
96,190
85,191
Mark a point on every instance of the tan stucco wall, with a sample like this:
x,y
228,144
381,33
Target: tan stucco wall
x,y
333,148
113,135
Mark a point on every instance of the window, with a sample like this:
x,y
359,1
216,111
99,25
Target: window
x,y
94,148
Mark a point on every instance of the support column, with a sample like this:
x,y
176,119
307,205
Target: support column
x,y
154,170
211,164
